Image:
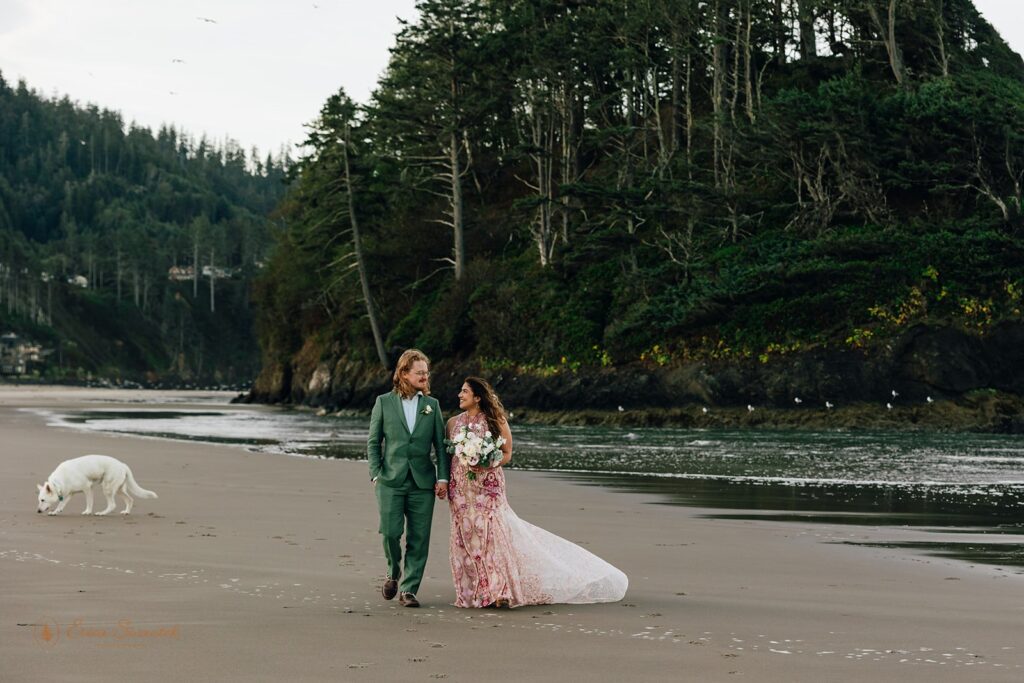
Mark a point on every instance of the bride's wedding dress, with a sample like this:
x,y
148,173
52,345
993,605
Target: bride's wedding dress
x,y
496,556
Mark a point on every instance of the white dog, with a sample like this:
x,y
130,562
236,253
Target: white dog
x,y
79,474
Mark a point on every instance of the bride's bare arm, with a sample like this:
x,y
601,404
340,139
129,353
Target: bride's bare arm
x,y
506,448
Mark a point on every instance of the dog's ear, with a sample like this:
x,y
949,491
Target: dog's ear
x,y
39,486
48,489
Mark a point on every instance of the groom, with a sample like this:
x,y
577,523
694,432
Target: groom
x,y
409,423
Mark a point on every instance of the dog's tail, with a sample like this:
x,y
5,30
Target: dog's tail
x,y
134,488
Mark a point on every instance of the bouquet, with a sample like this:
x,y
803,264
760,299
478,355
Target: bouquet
x,y
475,450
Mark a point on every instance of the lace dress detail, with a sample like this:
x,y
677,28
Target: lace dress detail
x,y
495,555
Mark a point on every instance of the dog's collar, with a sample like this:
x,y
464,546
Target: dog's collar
x,y
60,496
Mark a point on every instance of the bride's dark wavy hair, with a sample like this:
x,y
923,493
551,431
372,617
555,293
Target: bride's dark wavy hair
x,y
490,404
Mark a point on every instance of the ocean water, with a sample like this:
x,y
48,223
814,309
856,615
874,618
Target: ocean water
x,y
970,485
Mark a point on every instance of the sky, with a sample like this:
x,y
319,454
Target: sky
x,y
257,75
256,71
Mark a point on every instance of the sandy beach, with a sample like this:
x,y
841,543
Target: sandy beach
x,y
254,566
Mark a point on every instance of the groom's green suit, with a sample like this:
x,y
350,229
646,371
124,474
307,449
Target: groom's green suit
x,y
405,477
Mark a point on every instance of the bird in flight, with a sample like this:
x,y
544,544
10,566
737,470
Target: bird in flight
x,y
177,61
208,21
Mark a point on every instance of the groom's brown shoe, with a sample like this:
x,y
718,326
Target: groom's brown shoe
x,y
408,600
389,589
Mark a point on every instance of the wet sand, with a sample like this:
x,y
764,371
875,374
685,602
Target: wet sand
x,y
265,567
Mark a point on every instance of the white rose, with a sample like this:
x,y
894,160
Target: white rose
x,y
460,437
487,435
473,460
471,450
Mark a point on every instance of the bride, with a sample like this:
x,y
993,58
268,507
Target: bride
x,y
498,559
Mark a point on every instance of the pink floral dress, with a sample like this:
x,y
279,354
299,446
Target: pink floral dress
x,y
495,555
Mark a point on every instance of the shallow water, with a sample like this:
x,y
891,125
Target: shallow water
x,y
949,483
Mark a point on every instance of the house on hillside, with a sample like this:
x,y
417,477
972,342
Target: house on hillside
x,y
180,273
218,273
16,354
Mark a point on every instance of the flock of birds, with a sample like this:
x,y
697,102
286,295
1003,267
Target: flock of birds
x,y
205,20
799,401
177,60
829,405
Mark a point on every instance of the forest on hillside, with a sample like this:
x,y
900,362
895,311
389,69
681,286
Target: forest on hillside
x,y
94,215
553,185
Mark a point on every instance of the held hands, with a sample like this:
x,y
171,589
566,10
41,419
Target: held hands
x,y
441,490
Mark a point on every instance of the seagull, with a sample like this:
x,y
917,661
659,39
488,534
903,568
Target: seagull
x,y
889,406
797,400
894,393
172,92
621,409
829,405
750,408
177,61
929,399
208,21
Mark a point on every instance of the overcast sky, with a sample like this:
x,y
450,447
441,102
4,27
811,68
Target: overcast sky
x,y
257,72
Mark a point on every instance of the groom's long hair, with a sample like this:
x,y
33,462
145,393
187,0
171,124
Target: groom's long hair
x,y
490,404
405,363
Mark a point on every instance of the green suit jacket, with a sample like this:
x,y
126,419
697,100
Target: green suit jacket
x,y
393,451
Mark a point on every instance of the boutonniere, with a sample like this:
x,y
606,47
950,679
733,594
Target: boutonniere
x,y
427,410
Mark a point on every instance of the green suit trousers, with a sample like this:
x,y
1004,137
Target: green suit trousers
x,y
405,509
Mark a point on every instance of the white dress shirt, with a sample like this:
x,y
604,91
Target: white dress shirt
x,y
409,406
